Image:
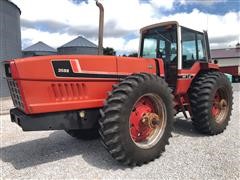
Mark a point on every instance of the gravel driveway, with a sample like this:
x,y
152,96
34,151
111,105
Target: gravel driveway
x,y
56,155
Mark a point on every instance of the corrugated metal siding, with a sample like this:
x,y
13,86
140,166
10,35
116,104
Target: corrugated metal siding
x,y
37,53
225,53
10,38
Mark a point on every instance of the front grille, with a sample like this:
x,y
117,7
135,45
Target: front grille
x,y
8,70
15,93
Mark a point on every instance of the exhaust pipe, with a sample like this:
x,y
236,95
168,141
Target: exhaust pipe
x,y
101,26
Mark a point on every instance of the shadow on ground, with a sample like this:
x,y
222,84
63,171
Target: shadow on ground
x,y
59,146
184,127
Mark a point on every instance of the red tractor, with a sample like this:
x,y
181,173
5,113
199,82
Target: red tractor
x,y
130,102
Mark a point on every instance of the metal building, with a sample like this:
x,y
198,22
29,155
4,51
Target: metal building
x,y
39,49
10,38
227,56
80,45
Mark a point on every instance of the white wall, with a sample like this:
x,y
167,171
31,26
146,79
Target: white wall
x,y
228,62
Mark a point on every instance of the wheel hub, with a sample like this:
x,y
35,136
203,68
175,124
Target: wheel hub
x,y
147,121
152,120
219,107
222,104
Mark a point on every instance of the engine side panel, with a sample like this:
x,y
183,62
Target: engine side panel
x,y
52,96
135,65
64,83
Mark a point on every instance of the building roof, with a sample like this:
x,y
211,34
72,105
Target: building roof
x,y
225,53
40,46
79,42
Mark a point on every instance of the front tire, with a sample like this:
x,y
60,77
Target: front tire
x,y
137,119
211,102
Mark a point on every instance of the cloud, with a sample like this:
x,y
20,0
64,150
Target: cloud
x,y
127,14
223,30
31,36
202,2
132,45
218,26
121,18
58,25
222,39
44,25
111,29
167,4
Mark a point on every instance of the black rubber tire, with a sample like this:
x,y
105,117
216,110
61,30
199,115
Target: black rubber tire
x,y
114,124
201,96
84,134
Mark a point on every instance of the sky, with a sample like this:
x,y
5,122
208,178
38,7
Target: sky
x,y
56,22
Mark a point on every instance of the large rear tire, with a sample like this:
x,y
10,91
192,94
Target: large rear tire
x,y
137,119
211,102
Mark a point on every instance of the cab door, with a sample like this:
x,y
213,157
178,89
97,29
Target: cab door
x,y
193,52
193,48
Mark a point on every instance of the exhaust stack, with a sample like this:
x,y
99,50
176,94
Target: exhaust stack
x,y
101,26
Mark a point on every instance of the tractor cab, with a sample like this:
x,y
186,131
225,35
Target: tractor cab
x,y
179,47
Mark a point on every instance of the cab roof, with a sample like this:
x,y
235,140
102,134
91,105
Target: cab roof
x,y
164,24
158,25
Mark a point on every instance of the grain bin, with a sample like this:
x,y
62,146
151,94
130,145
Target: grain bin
x,y
10,38
39,49
80,45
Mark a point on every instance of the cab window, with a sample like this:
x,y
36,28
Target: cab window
x,y
189,51
149,47
160,42
201,47
193,47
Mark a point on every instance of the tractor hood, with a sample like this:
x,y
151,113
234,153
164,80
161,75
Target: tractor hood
x,y
54,67
67,67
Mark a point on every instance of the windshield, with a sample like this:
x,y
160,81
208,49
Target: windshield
x,y
160,42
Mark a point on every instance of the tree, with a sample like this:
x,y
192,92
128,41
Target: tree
x,y
109,51
133,54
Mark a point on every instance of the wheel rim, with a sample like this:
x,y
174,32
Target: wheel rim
x,y
147,121
220,106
